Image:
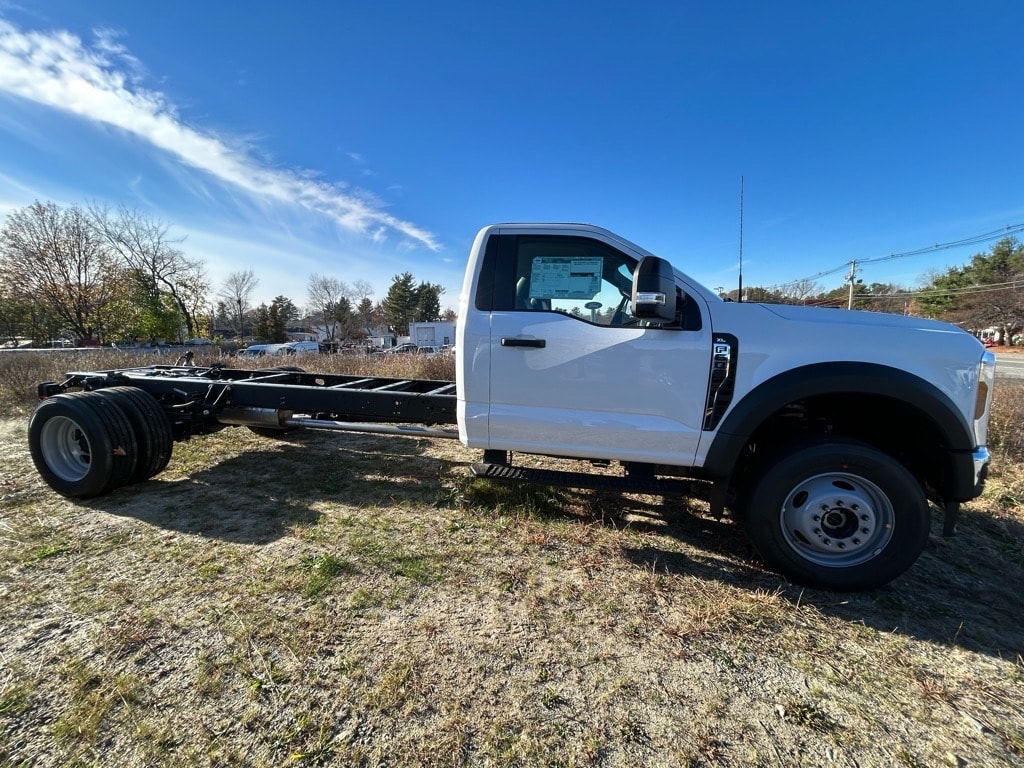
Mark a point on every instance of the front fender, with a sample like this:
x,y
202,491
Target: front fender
x,y
836,378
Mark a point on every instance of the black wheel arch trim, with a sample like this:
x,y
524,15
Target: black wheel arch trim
x,y
750,411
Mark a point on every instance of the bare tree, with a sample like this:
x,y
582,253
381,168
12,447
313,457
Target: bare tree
x,y
799,291
153,258
236,292
54,257
323,295
360,290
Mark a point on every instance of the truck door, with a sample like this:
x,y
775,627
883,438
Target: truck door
x,y
574,373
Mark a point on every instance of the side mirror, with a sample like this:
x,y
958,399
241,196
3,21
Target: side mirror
x,y
654,291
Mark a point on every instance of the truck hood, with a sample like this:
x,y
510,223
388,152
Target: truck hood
x,y
829,315
776,338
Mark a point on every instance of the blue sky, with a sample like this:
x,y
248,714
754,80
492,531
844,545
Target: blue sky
x,y
360,140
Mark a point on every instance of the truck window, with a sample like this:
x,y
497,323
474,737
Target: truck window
x,y
580,277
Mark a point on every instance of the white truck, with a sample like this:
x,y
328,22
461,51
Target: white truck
x,y
827,432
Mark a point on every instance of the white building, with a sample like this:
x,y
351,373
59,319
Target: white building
x,y
436,334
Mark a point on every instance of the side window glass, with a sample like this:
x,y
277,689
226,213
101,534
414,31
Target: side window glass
x,y
579,277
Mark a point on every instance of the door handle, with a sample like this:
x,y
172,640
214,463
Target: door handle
x,y
534,343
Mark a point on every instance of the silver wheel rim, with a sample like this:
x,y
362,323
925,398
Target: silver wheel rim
x,y
65,448
837,520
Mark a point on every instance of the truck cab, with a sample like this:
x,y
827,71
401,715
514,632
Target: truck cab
x,y
554,358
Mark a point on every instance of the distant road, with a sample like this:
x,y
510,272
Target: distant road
x,y
1009,365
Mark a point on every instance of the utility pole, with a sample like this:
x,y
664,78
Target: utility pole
x,y
849,279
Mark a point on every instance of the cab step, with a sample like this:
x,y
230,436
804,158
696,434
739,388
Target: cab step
x,y
632,483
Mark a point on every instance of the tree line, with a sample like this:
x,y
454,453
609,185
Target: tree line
x,y
99,274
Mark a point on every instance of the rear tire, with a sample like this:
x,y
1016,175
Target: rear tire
x,y
836,514
82,444
153,433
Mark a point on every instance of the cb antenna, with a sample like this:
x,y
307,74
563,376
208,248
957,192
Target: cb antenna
x,y
739,296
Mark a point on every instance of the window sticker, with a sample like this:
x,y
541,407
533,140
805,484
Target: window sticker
x,y
560,277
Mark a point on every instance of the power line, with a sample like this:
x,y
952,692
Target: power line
x,y
982,238
972,240
939,292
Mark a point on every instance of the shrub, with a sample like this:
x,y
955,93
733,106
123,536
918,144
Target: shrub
x,y
1006,427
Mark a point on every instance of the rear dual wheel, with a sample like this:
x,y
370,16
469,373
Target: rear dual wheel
x,y
152,430
86,444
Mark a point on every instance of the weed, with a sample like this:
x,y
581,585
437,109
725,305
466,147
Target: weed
x,y
15,699
44,552
809,715
362,598
95,697
909,759
394,687
388,554
324,568
551,698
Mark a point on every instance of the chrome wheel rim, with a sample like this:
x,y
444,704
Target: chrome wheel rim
x,y
65,448
837,519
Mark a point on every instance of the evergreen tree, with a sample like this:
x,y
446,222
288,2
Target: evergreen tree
x,y
401,303
428,302
262,327
367,315
985,293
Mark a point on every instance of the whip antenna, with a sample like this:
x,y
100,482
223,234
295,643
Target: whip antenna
x,y
739,296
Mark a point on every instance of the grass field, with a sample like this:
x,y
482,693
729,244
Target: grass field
x,y
355,600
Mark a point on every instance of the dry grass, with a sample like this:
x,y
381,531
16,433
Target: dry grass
x,y
354,600
20,372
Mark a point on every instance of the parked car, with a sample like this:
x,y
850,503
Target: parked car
x,y
302,348
254,350
402,349
197,342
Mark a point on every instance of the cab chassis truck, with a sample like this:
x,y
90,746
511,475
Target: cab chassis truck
x,y
829,433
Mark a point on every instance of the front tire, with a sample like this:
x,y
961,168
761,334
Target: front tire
x,y
836,514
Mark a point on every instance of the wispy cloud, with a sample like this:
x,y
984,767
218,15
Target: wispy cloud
x,y
101,83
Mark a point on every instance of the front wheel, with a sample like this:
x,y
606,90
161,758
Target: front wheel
x,y
836,514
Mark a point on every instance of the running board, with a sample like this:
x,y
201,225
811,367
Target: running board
x,y
618,483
